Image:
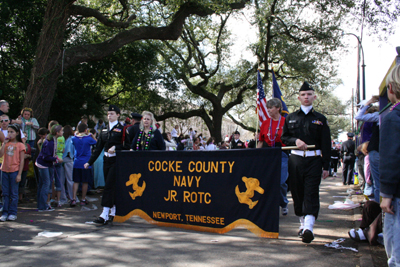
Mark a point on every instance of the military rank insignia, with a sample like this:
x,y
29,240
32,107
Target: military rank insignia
x,y
318,122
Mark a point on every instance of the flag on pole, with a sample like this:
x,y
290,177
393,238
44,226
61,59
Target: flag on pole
x,y
276,92
261,101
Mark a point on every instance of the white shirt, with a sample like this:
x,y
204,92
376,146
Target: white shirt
x,y
306,109
112,124
174,133
211,147
170,145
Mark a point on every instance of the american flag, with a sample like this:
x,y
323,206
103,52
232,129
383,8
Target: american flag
x,y
261,101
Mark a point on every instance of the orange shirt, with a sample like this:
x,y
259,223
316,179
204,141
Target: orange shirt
x,y
12,160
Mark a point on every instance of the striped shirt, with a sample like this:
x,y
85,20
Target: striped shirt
x,y
30,129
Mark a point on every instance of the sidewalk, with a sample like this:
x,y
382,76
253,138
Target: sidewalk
x,y
137,243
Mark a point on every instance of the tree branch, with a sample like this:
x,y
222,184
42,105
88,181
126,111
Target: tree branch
x,y
181,115
92,52
248,128
87,12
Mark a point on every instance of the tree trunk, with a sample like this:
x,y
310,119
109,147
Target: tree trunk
x,y
48,60
217,127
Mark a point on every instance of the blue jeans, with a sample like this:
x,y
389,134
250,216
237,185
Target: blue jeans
x,y
59,177
374,166
10,193
391,234
60,181
283,202
43,188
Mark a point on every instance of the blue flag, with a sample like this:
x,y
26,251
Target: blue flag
x,y
276,92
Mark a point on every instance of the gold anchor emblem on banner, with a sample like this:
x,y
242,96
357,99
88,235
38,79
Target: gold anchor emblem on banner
x,y
252,184
133,180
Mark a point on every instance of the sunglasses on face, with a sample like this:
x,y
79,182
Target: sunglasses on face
x,y
4,120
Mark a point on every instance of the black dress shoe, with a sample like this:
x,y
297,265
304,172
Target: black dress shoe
x,y
101,221
300,233
308,236
110,219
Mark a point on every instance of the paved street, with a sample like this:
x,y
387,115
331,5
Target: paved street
x,y
138,243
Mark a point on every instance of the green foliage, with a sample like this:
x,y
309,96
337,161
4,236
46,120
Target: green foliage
x,y
20,24
120,79
379,16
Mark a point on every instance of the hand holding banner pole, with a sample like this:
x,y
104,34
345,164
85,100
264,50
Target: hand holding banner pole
x,y
295,147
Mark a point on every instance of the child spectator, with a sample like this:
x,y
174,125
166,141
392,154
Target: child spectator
x,y
27,158
45,161
29,126
42,132
68,159
82,143
223,145
169,142
210,144
100,125
13,164
59,173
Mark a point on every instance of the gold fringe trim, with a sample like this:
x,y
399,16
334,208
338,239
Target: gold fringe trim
x,y
238,223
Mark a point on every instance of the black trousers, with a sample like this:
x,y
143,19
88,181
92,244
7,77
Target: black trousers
x,y
110,177
305,178
348,169
334,163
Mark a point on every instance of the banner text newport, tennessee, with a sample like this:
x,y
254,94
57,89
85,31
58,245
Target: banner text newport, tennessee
x,y
192,182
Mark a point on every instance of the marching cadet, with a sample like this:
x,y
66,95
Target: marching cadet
x,y
348,159
111,139
236,143
307,127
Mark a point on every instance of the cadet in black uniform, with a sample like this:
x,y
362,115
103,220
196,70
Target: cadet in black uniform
x,y
236,143
335,155
307,127
111,140
134,129
348,159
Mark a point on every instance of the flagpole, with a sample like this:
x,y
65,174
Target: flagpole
x,y
273,93
258,123
258,118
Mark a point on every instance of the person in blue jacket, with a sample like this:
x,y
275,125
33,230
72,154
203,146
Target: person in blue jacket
x,y
389,148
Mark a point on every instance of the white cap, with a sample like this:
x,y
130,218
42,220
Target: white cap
x,y
362,103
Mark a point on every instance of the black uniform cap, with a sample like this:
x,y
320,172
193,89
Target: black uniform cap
x,y
306,87
237,132
350,134
114,108
136,116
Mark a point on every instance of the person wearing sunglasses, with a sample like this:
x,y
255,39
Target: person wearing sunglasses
x,y
4,108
